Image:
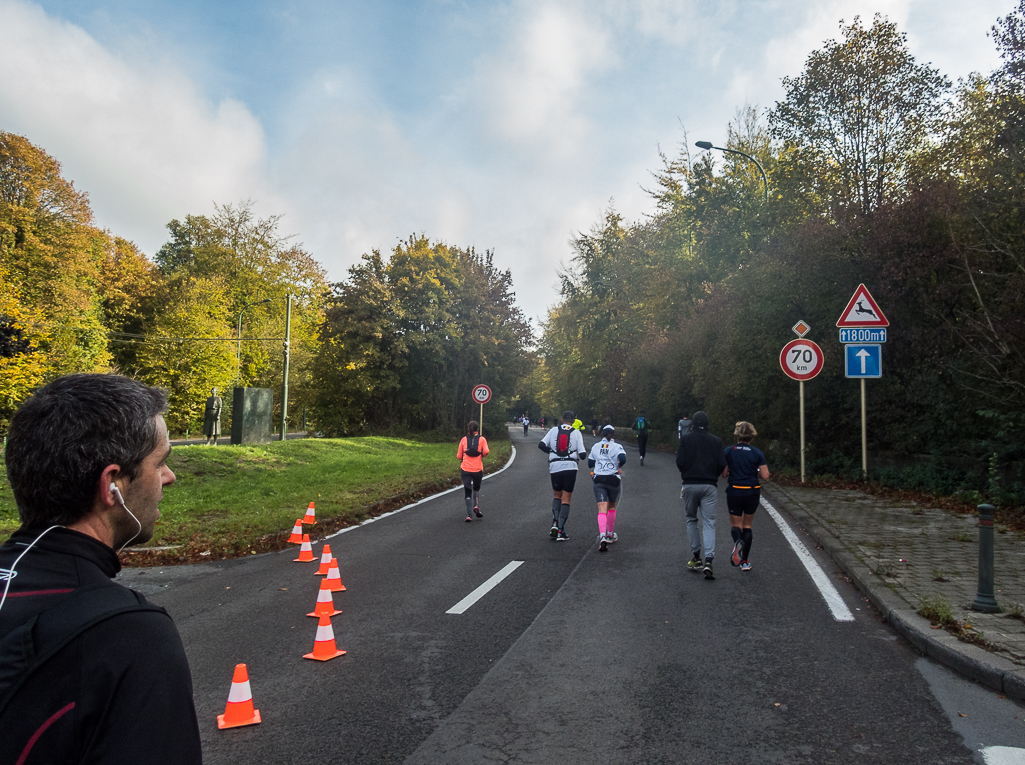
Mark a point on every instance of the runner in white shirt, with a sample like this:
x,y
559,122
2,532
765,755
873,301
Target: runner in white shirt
x,y
606,462
526,424
565,447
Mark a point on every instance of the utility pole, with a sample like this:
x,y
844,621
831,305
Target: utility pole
x,y
284,383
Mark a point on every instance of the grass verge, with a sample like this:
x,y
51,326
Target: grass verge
x,y
230,501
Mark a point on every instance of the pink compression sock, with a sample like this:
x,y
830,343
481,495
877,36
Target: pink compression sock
x,y
611,523
601,523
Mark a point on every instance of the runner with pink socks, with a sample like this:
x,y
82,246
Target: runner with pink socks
x,y
606,462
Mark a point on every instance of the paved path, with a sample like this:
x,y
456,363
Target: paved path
x,y
918,552
576,657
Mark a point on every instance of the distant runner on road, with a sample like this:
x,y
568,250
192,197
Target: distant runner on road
x,y
746,469
683,427
526,424
642,425
473,448
606,462
594,427
565,447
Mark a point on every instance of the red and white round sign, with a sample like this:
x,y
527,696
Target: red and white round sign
x,y
801,359
482,394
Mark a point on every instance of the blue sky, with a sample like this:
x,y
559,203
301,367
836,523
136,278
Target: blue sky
x,y
505,125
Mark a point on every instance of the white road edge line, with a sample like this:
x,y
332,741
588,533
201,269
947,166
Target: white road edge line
x,y
837,607
484,589
505,467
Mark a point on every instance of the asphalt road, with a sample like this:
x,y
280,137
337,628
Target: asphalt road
x,y
576,657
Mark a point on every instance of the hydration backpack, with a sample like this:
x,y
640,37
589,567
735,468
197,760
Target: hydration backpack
x,y
562,440
642,425
472,446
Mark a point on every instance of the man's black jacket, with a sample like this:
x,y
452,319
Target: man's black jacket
x,y
121,692
700,458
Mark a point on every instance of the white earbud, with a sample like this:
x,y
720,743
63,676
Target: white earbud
x,y
117,491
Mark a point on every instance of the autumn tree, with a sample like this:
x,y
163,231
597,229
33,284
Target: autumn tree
x,y
50,258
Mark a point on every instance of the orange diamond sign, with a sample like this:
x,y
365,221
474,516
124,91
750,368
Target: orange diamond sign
x,y
801,328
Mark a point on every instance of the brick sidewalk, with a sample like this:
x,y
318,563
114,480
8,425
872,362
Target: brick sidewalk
x,y
922,552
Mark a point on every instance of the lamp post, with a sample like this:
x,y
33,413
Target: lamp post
x,y
238,340
284,376
706,145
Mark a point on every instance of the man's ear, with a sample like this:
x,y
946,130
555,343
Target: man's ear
x,y
104,486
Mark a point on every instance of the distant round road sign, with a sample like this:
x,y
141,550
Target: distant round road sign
x,y
482,394
801,359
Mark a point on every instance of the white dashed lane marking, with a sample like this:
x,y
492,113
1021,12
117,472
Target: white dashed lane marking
x,y
484,589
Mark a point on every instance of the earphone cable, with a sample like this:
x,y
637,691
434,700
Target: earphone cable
x,y
11,571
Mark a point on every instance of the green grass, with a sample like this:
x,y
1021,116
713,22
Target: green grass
x,y
233,500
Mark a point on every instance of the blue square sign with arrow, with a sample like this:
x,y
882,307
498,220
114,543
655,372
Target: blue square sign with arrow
x,y
864,360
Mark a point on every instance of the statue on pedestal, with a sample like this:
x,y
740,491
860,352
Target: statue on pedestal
x,y
212,418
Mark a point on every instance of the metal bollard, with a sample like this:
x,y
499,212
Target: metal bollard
x,y
984,599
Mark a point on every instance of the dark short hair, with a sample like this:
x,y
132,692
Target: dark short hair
x,y
567,416
67,432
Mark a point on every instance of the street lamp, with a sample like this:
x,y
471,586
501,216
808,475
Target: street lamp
x,y
238,340
706,145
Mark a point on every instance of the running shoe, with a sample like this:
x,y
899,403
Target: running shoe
x,y
469,519
613,537
477,512
642,461
603,543
745,566
709,573
554,532
695,564
563,537
735,557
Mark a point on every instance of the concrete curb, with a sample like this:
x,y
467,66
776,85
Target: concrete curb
x,y
995,672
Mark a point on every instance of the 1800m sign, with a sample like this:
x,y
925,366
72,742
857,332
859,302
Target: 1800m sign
x,y
801,359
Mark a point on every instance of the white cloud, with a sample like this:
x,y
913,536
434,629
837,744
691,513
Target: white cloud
x,y
141,140
531,89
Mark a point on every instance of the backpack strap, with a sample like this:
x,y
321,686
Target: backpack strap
x,y
33,643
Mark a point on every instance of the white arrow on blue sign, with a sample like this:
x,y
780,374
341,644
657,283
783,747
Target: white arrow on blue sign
x,y
864,360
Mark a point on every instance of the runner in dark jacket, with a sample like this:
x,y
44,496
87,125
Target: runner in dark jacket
x,y
701,463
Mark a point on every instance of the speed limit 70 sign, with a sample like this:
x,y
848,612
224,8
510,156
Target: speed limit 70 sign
x,y
801,359
482,394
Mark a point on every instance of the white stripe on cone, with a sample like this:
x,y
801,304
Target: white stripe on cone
x,y
324,633
240,693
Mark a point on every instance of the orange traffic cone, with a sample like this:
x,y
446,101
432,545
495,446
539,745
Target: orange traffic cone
x,y
334,579
311,516
324,647
306,551
297,533
325,601
239,710
325,561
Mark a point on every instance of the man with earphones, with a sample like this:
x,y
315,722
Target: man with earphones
x,y
89,670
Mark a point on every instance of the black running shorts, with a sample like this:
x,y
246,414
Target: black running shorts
x,y
605,493
564,480
743,505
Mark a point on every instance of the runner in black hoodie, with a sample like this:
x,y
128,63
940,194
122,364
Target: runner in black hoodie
x,y
701,462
